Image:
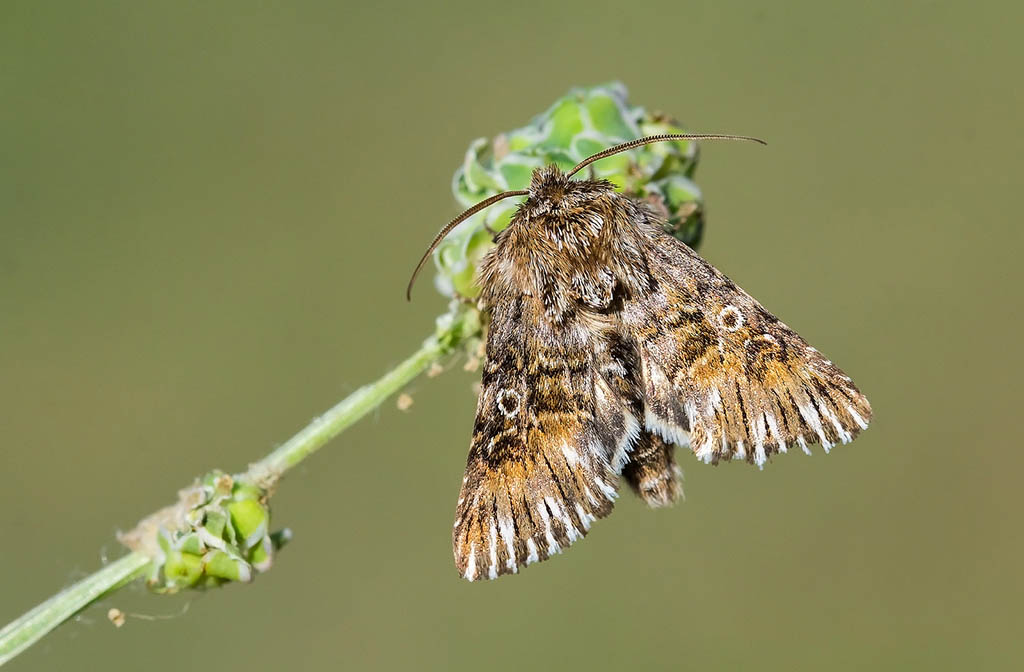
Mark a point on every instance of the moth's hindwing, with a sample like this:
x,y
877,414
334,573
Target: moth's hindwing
x,y
726,375
538,471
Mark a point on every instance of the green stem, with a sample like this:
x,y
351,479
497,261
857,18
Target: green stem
x,y
453,330
365,399
26,630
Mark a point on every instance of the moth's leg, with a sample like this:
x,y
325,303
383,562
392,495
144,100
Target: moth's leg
x,y
465,300
652,470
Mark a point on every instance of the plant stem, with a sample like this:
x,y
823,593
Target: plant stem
x,y
453,329
26,630
365,399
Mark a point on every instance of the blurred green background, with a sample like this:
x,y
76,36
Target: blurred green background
x,y
208,214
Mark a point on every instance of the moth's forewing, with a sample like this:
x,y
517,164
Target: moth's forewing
x,y
538,472
719,367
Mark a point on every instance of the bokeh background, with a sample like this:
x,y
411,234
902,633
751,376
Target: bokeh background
x,y
208,213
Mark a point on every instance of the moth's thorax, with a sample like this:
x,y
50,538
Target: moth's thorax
x,y
570,242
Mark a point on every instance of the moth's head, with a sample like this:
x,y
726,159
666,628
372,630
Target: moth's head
x,y
552,190
547,182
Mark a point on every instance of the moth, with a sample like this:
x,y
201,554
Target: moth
x,y
610,344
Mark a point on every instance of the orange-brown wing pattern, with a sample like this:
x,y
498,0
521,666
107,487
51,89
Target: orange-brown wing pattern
x,y
538,472
723,374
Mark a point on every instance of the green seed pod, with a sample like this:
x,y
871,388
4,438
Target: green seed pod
x,y
245,491
214,528
583,122
191,543
182,569
223,565
250,520
261,555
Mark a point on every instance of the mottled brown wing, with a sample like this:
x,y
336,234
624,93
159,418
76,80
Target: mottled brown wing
x,y
722,373
547,426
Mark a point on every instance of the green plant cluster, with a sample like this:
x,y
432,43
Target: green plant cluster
x,y
225,538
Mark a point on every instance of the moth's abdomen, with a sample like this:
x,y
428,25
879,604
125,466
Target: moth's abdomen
x,y
652,472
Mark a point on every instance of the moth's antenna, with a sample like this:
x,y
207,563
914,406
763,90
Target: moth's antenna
x,y
452,224
657,138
